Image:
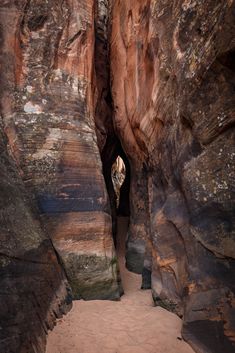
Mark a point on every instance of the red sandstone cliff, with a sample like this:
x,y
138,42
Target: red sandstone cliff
x,y
48,98
48,103
33,287
173,76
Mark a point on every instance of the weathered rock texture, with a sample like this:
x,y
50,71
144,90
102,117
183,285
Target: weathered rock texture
x,y
153,82
173,77
48,105
33,287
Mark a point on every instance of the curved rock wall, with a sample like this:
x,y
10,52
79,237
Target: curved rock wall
x,y
48,103
173,76
165,71
34,289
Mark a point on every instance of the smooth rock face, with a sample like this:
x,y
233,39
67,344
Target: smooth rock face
x,y
48,102
173,77
34,290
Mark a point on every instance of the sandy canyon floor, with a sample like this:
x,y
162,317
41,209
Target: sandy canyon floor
x,y
132,325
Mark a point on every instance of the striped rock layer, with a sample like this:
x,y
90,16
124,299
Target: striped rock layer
x,y
83,81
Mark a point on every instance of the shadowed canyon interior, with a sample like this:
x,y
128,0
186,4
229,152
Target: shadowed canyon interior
x,y
146,86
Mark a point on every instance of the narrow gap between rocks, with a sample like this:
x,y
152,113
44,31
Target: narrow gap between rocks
x,y
118,175
116,171
131,325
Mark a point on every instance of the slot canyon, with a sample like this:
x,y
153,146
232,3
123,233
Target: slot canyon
x,y
117,176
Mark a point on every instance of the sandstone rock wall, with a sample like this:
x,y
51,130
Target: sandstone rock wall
x,y
34,289
173,76
48,105
83,81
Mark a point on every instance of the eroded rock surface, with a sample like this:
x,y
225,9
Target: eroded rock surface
x,y
153,82
173,76
48,103
34,289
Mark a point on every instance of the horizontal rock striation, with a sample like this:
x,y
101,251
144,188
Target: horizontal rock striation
x,y
33,287
173,76
85,81
48,103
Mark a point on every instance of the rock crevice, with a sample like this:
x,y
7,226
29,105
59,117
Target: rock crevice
x,y
152,81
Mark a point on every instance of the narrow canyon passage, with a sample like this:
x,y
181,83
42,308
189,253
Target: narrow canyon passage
x,y
132,325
